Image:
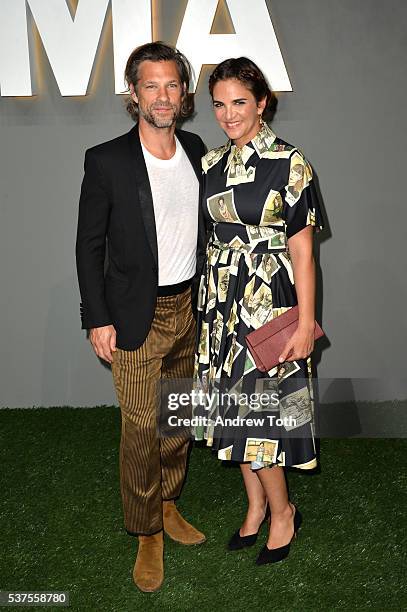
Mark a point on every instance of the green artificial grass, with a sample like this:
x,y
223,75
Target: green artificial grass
x,y
62,527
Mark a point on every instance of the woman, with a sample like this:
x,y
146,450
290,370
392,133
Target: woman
x,y
259,250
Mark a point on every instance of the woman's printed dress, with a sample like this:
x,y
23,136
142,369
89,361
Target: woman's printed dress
x,y
255,198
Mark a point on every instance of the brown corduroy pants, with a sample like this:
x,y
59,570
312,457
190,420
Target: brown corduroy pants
x,y
152,468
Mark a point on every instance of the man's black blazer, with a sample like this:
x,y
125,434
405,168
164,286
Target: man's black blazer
x,y
116,208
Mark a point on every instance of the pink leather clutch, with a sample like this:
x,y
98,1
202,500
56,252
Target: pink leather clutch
x,y
267,343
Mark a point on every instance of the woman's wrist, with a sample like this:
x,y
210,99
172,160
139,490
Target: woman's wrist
x,y
306,324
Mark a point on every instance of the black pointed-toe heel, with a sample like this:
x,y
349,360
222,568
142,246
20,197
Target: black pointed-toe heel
x,y
237,542
274,555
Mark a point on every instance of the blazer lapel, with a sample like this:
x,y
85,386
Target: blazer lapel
x,y
142,181
193,156
144,190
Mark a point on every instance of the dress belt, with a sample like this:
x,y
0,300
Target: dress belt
x,y
167,290
255,248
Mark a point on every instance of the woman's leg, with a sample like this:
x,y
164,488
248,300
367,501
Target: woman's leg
x,y
257,501
282,511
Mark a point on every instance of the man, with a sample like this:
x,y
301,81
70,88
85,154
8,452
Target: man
x,y
140,194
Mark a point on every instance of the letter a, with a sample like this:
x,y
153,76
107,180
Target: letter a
x,y
255,38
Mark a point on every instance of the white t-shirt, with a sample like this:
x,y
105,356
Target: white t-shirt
x,y
175,190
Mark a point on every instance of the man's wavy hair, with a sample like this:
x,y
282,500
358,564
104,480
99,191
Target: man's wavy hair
x,y
159,52
250,75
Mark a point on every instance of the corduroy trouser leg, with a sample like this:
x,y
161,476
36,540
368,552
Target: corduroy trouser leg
x,y
152,468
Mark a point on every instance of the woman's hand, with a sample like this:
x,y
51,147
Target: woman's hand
x,y
300,345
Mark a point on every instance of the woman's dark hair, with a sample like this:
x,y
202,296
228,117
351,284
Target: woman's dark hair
x,y
158,52
250,75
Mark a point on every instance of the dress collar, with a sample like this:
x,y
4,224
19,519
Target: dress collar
x,y
264,139
262,143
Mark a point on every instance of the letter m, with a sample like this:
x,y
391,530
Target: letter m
x,y
71,44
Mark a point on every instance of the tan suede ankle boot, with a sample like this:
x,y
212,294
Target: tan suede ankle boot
x,y
148,573
178,528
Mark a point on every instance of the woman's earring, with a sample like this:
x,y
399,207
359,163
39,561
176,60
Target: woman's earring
x,y
261,121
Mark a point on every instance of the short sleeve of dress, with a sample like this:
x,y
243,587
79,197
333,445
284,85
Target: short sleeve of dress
x,y
300,199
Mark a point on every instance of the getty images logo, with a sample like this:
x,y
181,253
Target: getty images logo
x,y
71,44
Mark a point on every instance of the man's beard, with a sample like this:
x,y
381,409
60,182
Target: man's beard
x,y
157,121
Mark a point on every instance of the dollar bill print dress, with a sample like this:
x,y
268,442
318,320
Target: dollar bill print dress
x,y
255,198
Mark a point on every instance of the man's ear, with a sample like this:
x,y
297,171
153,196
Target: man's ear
x,y
133,93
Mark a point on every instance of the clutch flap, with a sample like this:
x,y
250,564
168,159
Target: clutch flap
x,y
273,327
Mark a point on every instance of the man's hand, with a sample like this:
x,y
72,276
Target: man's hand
x,y
103,340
